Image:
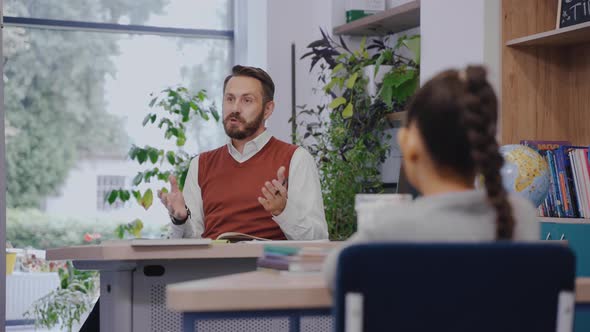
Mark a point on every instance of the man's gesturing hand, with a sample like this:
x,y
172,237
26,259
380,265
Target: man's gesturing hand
x,y
174,200
275,194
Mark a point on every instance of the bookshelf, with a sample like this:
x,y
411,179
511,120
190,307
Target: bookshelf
x,y
573,221
573,35
545,86
545,90
389,21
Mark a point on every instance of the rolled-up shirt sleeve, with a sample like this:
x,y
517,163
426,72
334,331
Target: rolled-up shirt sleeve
x,y
194,226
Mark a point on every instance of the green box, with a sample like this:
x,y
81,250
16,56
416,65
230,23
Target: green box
x,y
352,15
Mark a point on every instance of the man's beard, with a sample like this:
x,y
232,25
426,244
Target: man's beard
x,y
249,127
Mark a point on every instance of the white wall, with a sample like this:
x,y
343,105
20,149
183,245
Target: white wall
x,y
251,31
456,33
293,22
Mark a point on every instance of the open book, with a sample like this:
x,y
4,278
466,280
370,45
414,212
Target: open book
x,y
236,236
142,242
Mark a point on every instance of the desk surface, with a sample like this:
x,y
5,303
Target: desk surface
x,y
256,290
123,250
262,290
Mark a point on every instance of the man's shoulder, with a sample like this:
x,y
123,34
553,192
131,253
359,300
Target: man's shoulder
x,y
284,145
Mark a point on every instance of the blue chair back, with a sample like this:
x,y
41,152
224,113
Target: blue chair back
x,y
500,286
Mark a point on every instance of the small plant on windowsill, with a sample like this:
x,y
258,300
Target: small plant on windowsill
x,y
66,305
173,110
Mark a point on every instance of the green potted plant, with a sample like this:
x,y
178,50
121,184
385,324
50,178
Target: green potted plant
x,y
173,110
66,305
352,140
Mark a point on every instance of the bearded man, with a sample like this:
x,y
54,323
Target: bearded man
x,y
255,184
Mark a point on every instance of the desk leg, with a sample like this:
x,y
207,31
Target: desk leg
x,y
116,301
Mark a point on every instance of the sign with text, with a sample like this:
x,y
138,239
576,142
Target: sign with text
x,y
572,12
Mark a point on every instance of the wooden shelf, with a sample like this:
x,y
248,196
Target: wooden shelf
x,y
397,119
574,35
389,21
565,220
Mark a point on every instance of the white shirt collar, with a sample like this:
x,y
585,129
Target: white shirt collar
x,y
250,148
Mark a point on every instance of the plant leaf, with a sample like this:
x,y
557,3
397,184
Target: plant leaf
x,y
386,95
154,155
136,194
338,68
153,101
124,195
337,102
136,227
146,119
112,197
142,156
147,199
171,157
398,77
347,113
351,80
137,179
120,231
214,113
413,44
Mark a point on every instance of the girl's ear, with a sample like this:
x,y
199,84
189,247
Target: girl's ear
x,y
402,138
410,143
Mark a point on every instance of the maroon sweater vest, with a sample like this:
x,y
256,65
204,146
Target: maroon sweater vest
x,y
230,190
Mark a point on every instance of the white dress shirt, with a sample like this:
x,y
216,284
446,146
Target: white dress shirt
x,y
303,217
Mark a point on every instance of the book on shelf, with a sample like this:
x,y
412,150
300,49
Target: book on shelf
x,y
569,177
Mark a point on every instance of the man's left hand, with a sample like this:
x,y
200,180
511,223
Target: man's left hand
x,y
275,194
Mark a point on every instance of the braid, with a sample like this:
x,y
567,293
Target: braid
x,y
479,117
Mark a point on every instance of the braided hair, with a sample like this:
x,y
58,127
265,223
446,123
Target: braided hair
x,y
456,114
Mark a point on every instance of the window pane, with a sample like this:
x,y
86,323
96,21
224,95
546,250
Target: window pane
x,y
74,104
195,14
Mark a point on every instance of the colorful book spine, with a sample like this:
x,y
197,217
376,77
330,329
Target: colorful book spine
x,y
564,182
283,250
556,187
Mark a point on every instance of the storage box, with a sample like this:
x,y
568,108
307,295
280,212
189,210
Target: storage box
x,y
356,9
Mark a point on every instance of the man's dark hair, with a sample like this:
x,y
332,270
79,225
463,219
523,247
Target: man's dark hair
x,y
268,87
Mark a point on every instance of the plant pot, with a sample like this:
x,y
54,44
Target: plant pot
x,y
375,79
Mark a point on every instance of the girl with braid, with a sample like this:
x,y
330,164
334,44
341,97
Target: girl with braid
x,y
450,140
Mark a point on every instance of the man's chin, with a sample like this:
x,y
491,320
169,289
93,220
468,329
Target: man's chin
x,y
236,134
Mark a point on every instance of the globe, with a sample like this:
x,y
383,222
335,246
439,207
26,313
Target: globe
x,y
525,172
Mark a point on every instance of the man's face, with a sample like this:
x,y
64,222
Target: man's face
x,y
244,112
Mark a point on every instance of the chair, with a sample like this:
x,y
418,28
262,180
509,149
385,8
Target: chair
x,y
495,287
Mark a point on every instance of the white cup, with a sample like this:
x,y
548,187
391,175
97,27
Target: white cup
x,y
367,206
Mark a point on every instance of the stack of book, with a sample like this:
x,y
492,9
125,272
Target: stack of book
x,y
293,259
569,193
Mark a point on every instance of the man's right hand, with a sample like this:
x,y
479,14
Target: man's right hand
x,y
174,200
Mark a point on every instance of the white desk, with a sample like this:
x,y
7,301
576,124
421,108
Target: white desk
x,y
133,279
288,296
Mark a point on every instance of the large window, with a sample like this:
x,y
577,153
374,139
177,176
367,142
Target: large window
x,y
78,77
